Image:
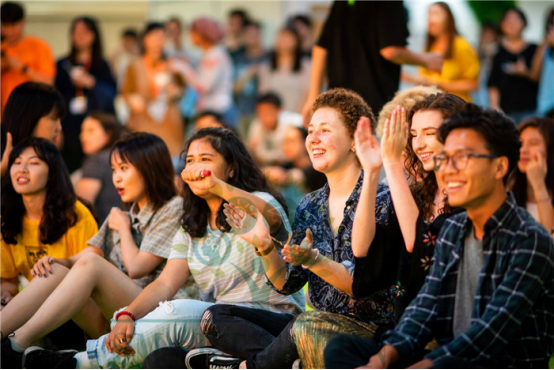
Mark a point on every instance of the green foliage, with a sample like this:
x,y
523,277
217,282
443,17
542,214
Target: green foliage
x,y
489,10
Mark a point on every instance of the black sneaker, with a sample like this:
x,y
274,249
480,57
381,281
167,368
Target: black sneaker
x,y
224,362
38,358
10,359
166,358
201,358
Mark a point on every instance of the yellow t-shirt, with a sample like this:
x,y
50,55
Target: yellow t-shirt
x,y
464,65
21,257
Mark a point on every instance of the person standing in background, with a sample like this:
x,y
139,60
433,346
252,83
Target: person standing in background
x,y
85,81
460,71
213,79
246,74
24,58
287,71
511,90
542,70
367,62
127,50
303,25
486,50
152,92
237,20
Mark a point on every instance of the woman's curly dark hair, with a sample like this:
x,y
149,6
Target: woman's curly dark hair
x,y
247,176
424,185
58,212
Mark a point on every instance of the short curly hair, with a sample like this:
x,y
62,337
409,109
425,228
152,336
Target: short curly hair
x,y
349,104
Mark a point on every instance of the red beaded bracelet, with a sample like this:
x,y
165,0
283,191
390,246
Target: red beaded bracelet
x,y
125,313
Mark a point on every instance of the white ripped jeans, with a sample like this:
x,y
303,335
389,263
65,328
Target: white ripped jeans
x,y
173,323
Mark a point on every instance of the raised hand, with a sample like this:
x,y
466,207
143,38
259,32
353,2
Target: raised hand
x,y
252,227
302,254
118,220
367,148
395,136
193,175
536,170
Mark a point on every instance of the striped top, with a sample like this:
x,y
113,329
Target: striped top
x,y
228,271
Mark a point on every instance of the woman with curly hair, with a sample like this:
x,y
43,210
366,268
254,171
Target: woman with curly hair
x,y
320,253
88,290
419,201
533,181
41,215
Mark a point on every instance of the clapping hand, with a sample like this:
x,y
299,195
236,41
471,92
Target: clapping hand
x,y
395,136
253,227
302,254
367,148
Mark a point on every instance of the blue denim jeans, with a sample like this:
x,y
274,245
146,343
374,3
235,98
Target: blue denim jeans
x,y
173,323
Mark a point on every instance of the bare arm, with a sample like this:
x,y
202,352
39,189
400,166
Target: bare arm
x,y
88,189
367,150
393,142
319,63
403,55
536,64
459,85
494,98
173,276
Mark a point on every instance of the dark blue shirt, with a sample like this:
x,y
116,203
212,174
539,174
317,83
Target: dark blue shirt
x,y
313,213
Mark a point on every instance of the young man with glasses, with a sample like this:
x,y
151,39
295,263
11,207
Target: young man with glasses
x,y
489,297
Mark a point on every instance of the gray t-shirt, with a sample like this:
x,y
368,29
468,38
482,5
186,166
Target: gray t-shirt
x,y
471,264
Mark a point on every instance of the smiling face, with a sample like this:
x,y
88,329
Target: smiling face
x,y
93,137
424,139
29,173
128,181
202,155
472,186
532,144
328,142
49,127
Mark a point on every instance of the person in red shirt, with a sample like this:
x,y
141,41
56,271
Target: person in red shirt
x,y
24,58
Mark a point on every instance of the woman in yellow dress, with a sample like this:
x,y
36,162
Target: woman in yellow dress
x,y
460,70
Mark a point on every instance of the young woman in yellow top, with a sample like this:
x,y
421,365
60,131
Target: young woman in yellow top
x,y
460,69
41,215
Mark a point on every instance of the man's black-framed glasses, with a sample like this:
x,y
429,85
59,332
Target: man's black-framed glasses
x,y
459,160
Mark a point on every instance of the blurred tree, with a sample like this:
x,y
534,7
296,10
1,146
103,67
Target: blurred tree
x,y
489,10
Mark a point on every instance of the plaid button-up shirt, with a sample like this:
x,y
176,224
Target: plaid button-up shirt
x,y
512,321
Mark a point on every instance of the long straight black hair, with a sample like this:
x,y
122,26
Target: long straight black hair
x,y
27,104
58,211
247,176
92,25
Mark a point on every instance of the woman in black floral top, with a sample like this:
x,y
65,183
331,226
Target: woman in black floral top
x,y
420,201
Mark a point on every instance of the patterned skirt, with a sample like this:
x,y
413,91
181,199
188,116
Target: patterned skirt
x,y
313,330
